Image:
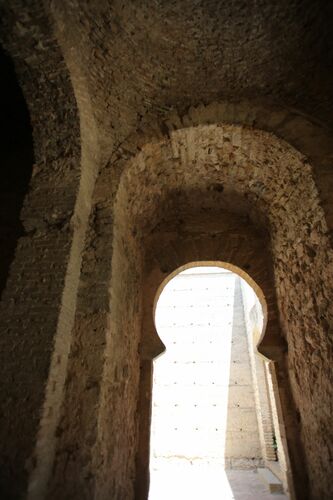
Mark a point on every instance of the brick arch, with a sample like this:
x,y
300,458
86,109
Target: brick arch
x,y
238,244
115,238
125,236
274,179
307,135
55,230
263,179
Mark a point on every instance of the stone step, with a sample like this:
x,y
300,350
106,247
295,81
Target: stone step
x,y
274,484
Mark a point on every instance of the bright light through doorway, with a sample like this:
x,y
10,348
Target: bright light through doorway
x,y
191,382
205,441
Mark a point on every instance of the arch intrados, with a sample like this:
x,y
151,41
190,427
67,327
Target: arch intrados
x,y
308,135
260,164
224,265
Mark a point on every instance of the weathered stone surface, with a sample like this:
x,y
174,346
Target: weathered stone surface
x,y
263,179
169,102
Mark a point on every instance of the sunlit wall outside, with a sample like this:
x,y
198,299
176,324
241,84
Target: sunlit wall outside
x,y
203,410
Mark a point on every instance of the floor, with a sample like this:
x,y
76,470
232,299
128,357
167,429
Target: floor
x,y
179,480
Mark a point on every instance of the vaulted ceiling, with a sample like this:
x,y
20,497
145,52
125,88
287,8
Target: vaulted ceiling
x,y
133,61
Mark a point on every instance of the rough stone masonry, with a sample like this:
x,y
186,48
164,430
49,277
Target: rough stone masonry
x,y
138,137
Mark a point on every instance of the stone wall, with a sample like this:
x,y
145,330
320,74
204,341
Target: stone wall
x,y
254,326
274,181
227,237
240,185
110,89
243,442
270,417
32,295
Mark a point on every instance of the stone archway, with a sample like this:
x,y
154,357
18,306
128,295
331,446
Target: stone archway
x,y
242,253
204,419
230,169
215,192
110,91
186,413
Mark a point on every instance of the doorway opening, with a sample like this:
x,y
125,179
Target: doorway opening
x,y
207,431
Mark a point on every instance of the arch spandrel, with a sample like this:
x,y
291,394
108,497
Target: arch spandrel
x,y
217,249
